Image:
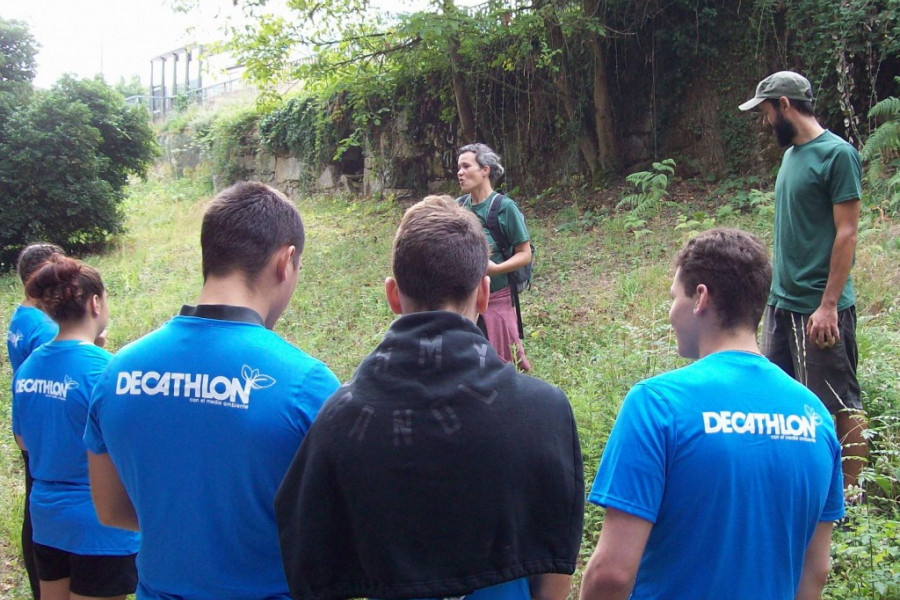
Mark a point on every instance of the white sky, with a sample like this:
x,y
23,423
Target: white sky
x,y
116,38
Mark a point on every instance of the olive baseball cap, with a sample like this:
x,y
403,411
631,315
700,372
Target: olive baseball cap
x,y
792,86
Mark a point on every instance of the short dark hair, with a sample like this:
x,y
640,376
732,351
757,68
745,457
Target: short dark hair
x,y
440,253
804,107
33,256
734,266
243,227
63,286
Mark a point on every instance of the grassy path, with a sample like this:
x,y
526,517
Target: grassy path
x,y
595,318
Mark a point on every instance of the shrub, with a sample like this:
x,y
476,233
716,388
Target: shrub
x,y
882,151
231,143
65,159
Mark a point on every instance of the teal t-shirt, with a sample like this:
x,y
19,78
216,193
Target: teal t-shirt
x,y
813,178
511,223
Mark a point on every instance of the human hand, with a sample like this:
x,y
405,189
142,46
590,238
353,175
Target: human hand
x,y
492,268
822,327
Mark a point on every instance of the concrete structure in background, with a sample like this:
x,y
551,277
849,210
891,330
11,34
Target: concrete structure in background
x,y
190,75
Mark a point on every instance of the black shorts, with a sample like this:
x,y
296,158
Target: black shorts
x,y
829,372
99,576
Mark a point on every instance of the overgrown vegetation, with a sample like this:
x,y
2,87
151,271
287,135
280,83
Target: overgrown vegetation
x,y
882,151
595,320
574,91
65,154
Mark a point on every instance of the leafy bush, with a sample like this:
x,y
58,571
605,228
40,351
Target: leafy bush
x,y
882,150
651,188
230,142
65,159
297,128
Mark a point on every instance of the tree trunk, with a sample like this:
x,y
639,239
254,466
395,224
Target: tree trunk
x,y
607,153
463,102
586,144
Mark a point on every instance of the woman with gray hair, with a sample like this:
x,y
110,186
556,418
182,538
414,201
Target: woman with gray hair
x,y
479,168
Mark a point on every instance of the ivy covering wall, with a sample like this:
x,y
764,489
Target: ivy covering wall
x,y
567,92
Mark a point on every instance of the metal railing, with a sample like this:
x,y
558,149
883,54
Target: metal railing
x,y
160,106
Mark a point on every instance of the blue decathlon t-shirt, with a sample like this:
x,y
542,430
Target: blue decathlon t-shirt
x,y
29,328
735,463
201,419
51,391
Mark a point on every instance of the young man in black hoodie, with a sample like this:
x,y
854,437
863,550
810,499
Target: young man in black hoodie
x,y
437,471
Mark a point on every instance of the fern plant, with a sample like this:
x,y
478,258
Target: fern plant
x,y
651,188
882,151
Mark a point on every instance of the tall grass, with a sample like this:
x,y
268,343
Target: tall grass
x,y
595,323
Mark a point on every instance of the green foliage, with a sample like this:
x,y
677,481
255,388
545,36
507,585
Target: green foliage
x,y
18,54
763,202
65,159
842,47
694,223
307,128
589,219
231,144
736,191
526,70
651,188
131,87
128,145
882,150
866,563
17,67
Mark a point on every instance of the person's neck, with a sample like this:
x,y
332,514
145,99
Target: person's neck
x,y
467,309
30,302
739,340
232,290
481,194
808,129
84,330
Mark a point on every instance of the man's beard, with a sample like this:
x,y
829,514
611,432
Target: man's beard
x,y
785,131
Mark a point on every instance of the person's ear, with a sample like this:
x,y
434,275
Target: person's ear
x,y
392,291
483,295
702,300
95,305
284,262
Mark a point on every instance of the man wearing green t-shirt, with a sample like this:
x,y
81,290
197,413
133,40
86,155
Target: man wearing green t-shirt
x,y
809,329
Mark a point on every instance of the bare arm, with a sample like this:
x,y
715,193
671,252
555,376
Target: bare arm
x,y
816,563
21,443
520,258
114,507
610,573
550,586
823,324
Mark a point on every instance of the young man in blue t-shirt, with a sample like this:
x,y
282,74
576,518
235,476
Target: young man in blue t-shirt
x,y
192,427
720,479
438,470
29,328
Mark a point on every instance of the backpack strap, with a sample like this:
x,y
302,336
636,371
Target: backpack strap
x,y
493,224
